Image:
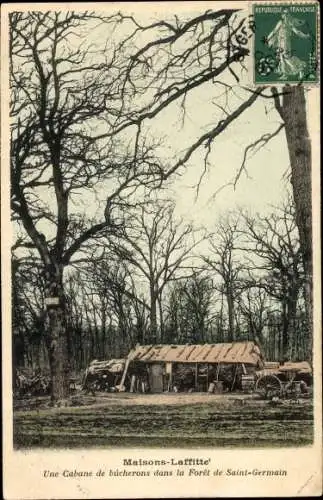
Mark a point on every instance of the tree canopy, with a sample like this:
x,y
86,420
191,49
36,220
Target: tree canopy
x,y
87,91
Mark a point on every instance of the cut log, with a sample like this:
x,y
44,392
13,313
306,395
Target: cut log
x,y
218,387
32,384
247,383
103,375
121,386
211,387
132,384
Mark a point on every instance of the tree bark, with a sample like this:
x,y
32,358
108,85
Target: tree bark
x,y
292,323
58,341
283,355
103,330
161,319
153,314
230,301
293,111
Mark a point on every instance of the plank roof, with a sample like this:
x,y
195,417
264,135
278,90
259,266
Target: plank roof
x,y
236,352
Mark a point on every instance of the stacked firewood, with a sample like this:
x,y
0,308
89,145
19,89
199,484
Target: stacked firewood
x,y
184,379
103,376
31,384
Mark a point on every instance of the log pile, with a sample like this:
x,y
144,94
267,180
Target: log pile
x,y
247,383
184,379
31,384
103,376
215,378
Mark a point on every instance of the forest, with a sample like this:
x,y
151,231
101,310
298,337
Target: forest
x,y
164,282
102,259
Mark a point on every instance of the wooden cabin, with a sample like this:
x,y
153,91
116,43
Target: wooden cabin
x,y
160,368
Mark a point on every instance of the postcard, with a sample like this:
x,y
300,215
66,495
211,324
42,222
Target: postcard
x,y
160,204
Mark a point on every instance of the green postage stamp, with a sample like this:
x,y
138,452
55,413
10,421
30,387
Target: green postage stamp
x,y
286,43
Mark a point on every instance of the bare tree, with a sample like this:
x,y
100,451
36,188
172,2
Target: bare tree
x,y
59,96
253,305
189,310
157,247
78,329
29,323
227,265
113,284
292,109
71,116
277,262
211,48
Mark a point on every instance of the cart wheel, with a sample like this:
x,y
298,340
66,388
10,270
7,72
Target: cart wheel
x,y
268,384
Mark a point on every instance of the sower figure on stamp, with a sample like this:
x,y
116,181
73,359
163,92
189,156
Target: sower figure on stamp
x,y
280,39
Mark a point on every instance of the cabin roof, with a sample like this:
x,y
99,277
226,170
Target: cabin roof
x,y
236,352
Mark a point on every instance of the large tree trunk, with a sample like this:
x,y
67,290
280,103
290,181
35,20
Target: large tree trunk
x,y
230,301
283,355
57,334
292,323
161,319
153,315
293,111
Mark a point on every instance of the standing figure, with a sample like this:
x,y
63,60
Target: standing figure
x,y
280,39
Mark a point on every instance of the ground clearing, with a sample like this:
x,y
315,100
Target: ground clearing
x,y
166,420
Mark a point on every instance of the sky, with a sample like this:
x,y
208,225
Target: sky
x,y
266,183
267,180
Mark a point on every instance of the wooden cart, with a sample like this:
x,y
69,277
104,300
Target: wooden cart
x,y
290,380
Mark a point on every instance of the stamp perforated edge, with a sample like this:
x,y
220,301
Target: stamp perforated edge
x,y
277,83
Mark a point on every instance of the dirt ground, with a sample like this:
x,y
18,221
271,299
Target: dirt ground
x,y
170,398
182,420
127,399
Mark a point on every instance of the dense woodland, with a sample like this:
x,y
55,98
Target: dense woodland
x,y
245,281
101,259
